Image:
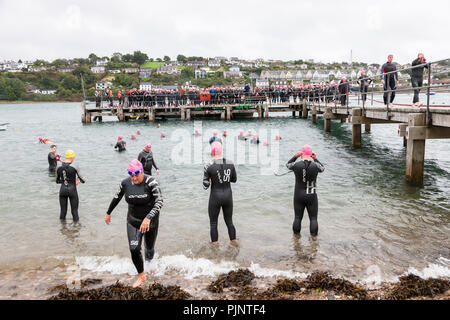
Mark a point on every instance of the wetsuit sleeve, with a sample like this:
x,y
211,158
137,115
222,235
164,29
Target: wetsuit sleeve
x,y
82,180
156,192
233,174
382,71
206,177
115,201
154,164
319,165
141,158
396,73
415,62
59,179
291,163
116,146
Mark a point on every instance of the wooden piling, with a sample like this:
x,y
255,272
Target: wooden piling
x,y
188,114
83,111
367,128
293,114
228,111
356,127
260,112
88,117
151,115
327,119
305,111
415,154
314,115
183,113
266,112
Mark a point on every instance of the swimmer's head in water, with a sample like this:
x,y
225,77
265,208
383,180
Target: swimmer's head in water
x,y
133,136
196,130
120,138
163,135
214,133
241,132
70,154
148,146
216,148
306,150
138,131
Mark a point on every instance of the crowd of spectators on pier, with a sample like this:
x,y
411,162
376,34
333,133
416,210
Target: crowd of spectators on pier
x,y
332,92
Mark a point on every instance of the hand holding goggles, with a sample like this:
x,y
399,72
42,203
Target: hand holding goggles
x,y
134,173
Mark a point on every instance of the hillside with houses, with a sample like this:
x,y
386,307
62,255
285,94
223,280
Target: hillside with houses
x,y
41,80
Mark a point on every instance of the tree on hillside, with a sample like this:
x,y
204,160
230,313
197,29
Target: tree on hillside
x,y
88,77
41,63
139,57
181,58
166,58
93,58
116,57
158,60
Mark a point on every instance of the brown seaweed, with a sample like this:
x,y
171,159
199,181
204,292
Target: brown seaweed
x,y
238,278
414,286
118,291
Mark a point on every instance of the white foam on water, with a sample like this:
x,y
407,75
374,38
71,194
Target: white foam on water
x,y
188,267
432,271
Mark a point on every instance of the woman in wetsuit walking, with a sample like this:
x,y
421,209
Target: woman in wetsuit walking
x,y
305,196
143,195
218,174
67,176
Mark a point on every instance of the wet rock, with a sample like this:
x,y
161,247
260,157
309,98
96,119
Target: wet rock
x,y
414,286
238,278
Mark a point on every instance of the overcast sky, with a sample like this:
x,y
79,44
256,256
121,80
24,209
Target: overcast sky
x,y
313,29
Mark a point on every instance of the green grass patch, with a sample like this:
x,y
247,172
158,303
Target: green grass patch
x,y
153,65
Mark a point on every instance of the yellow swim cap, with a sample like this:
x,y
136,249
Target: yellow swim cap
x,y
70,154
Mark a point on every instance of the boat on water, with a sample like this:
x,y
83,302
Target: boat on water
x,y
3,126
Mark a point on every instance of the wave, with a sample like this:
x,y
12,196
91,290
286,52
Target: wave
x,y
191,268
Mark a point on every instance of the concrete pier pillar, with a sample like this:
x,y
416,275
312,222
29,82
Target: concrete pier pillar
x,y
120,113
266,112
228,110
327,119
260,112
305,111
183,113
100,119
151,115
223,115
188,114
356,127
367,128
405,142
415,153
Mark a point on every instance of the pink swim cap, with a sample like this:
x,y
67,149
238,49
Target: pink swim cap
x,y
148,145
120,138
241,132
214,132
196,130
277,137
306,150
163,134
265,143
135,165
138,131
390,56
159,125
133,136
216,148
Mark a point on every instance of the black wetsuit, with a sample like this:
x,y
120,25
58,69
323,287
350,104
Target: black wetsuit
x,y
52,162
147,160
364,83
121,145
67,176
390,81
417,77
219,174
305,192
144,201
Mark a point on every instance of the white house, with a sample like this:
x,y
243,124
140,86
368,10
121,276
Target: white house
x,y
168,70
262,83
101,63
232,74
48,91
145,86
214,63
200,73
98,69
235,68
131,70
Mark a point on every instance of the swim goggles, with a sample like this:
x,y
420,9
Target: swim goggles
x,y
134,173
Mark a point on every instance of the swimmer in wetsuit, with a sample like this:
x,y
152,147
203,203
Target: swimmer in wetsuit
x,y
147,159
67,176
214,137
219,174
122,145
143,195
53,159
305,196
241,135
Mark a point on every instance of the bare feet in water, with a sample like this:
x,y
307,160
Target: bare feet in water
x,y
141,279
314,238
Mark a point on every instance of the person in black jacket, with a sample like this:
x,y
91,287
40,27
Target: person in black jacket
x,y
389,78
417,75
343,91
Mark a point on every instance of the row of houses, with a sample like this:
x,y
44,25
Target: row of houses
x,y
319,75
33,89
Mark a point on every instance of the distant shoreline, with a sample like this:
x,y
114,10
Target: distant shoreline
x,y
28,102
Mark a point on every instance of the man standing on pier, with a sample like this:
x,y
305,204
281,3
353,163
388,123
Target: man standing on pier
x,y
389,78
417,76
364,83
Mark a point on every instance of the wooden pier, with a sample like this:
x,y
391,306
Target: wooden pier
x,y
415,124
